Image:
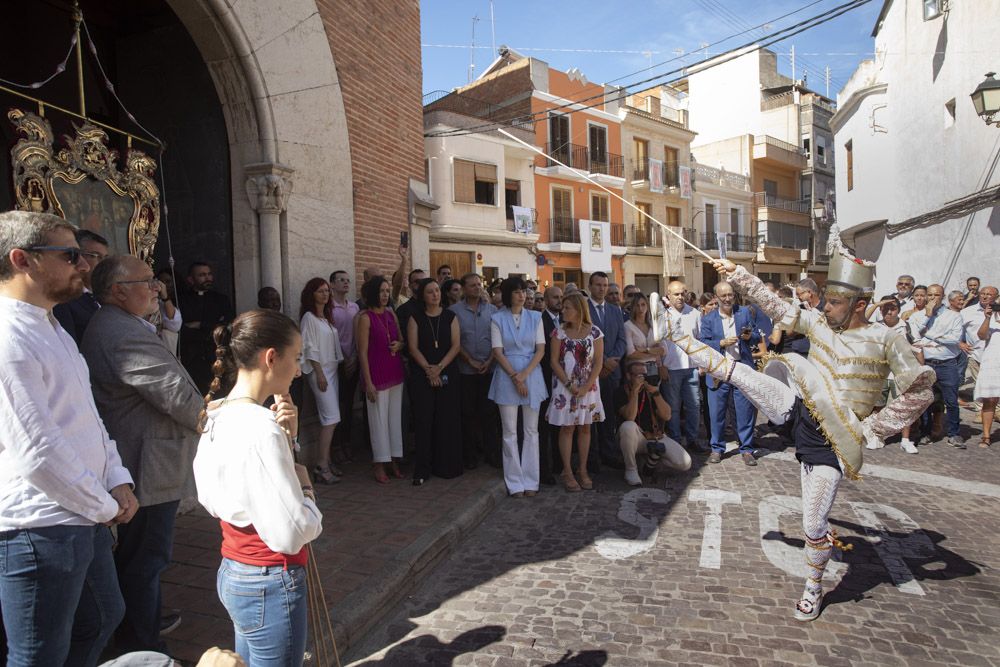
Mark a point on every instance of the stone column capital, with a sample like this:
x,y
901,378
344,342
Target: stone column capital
x,y
268,187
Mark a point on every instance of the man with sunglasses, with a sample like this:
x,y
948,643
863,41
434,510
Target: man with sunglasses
x,y
150,406
905,286
75,315
62,482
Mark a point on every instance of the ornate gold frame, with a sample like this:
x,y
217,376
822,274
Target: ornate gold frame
x,y
37,168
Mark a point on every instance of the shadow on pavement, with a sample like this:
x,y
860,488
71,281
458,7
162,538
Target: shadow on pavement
x,y
433,651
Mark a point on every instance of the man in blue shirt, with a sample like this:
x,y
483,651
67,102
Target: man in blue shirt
x,y
480,436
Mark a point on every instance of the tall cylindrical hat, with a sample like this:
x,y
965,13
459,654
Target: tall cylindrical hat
x,y
846,273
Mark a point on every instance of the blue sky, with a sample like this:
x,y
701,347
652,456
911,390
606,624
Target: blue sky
x,y
607,40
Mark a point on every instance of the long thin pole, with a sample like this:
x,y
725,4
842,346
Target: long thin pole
x,y
613,194
78,17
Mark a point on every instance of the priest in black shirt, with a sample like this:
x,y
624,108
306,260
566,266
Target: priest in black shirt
x,y
204,309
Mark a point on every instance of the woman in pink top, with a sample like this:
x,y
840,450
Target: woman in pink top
x,y
379,346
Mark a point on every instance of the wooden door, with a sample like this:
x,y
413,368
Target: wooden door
x,y
460,262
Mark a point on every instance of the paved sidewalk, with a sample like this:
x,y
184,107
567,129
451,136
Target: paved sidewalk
x,y
377,540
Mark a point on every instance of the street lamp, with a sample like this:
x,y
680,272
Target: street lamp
x,y
986,98
819,210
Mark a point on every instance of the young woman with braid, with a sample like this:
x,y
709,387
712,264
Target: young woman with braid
x,y
829,396
247,478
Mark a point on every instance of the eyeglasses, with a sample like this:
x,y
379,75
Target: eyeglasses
x,y
72,255
151,283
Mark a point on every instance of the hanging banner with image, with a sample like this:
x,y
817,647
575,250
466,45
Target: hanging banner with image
x,y
522,219
685,180
595,246
655,175
673,255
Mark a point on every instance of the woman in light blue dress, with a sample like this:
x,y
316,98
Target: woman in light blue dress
x,y
518,346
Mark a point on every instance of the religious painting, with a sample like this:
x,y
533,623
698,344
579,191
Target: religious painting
x,y
596,238
83,184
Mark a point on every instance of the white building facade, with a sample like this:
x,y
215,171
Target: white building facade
x,y
917,177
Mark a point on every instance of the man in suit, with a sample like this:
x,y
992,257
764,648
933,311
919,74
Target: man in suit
x,y
75,315
203,309
150,406
731,331
610,320
546,435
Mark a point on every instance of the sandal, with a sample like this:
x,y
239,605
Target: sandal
x,y
984,442
808,610
380,475
323,475
394,467
585,482
570,482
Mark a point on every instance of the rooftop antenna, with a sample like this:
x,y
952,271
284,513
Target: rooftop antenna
x,y
472,49
493,29
704,45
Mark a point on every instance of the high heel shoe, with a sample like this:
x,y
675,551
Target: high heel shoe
x,y
394,469
585,482
324,475
380,475
570,482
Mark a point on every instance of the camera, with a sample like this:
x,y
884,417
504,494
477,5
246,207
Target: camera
x,y
747,330
652,374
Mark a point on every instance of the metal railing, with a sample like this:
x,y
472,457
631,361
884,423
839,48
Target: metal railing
x,y
784,235
585,158
567,230
774,201
640,170
534,220
777,143
645,235
734,242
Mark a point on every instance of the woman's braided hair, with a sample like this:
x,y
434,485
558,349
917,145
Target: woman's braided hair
x,y
237,345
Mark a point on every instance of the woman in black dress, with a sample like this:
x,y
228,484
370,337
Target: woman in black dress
x,y
433,338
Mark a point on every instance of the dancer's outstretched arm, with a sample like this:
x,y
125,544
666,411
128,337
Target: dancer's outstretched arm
x,y
914,382
751,286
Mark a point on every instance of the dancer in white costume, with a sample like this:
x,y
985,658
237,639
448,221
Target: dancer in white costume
x,y
828,396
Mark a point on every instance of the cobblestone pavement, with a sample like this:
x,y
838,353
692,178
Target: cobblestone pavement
x,y
703,568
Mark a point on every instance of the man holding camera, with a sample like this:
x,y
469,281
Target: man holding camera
x,y
730,330
642,413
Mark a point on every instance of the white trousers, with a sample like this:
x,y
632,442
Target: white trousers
x,y
385,424
632,441
520,470
819,490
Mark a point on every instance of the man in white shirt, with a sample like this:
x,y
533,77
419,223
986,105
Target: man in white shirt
x,y
937,333
683,386
972,344
62,482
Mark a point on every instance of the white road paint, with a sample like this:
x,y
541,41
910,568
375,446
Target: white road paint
x,y
711,540
615,547
912,476
892,550
784,556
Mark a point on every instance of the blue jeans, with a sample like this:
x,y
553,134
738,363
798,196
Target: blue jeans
x,y
746,415
143,553
948,382
268,608
59,594
682,389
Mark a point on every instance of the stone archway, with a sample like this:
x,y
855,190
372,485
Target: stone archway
x,y
291,186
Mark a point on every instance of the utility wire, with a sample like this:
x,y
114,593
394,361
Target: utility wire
x,y
664,78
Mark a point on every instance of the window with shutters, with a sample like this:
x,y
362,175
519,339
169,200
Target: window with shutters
x,y
734,221
600,208
475,183
710,224
849,147
673,216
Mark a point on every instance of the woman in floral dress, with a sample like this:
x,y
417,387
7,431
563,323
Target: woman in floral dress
x,y
577,357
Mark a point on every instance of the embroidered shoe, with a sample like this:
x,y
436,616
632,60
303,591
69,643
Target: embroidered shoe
x,y
807,609
908,447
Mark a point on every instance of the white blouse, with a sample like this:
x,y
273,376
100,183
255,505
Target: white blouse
x,y
245,475
636,340
320,343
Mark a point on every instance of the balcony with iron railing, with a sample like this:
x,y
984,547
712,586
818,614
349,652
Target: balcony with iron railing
x,y
584,158
763,199
644,235
734,242
639,171
567,230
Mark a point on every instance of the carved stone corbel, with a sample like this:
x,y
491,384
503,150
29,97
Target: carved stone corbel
x,y
268,187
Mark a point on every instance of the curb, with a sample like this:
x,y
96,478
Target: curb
x,y
355,615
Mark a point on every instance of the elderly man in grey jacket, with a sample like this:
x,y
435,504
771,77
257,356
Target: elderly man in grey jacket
x,y
150,406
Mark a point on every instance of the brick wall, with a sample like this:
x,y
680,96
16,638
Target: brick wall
x,y
376,48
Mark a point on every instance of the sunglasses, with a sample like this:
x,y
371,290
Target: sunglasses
x,y
71,255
